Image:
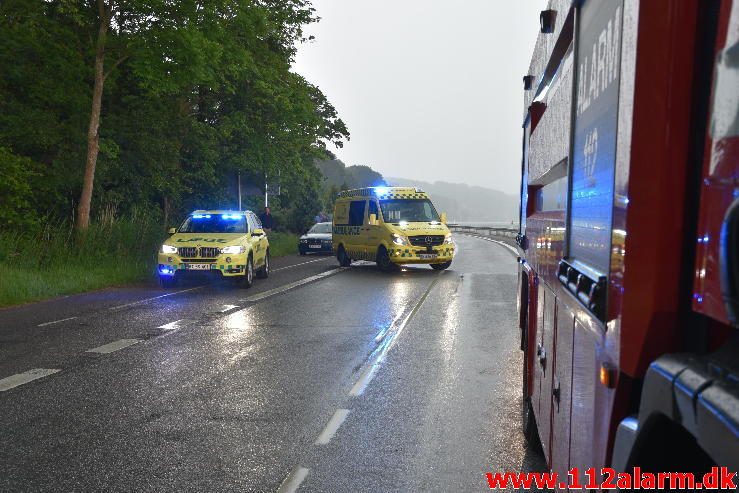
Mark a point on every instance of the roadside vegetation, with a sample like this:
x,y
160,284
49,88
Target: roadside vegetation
x,y
52,262
119,118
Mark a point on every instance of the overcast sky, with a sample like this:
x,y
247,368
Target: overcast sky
x,y
430,89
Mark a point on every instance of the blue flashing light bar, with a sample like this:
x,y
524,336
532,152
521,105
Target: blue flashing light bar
x,y
231,216
381,190
201,216
167,271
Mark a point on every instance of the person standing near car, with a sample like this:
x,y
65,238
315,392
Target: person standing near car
x,y
268,221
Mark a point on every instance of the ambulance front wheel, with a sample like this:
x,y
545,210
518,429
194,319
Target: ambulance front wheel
x,y
343,258
443,266
384,262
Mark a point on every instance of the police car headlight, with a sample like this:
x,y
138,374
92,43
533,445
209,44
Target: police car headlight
x,y
400,240
169,249
235,249
303,240
448,240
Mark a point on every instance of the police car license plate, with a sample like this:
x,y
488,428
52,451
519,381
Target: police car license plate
x,y
427,256
314,246
198,266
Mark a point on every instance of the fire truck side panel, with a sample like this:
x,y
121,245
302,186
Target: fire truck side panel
x,y
657,183
715,290
561,397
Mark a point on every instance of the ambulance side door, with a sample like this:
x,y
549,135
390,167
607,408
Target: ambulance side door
x,y
372,232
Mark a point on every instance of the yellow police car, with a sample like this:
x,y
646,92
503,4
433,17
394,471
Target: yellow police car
x,y
226,244
390,226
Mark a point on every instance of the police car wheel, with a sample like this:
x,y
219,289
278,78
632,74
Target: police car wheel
x,y
167,282
443,266
343,258
263,272
248,278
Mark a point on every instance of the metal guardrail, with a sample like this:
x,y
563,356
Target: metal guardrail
x,y
484,231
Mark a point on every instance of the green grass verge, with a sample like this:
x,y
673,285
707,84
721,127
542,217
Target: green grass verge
x,y
281,244
19,285
50,263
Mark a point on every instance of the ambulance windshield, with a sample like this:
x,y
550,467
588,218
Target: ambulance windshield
x,y
410,210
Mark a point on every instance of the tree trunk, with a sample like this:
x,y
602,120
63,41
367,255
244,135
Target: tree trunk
x,y
93,136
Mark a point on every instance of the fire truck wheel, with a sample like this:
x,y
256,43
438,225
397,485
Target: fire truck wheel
x,y
528,421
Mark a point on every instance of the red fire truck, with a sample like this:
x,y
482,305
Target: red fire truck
x,y
629,235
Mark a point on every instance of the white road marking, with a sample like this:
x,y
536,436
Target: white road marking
x,y
332,427
379,354
509,247
303,263
23,378
287,287
381,335
293,480
114,346
227,308
177,324
56,322
146,300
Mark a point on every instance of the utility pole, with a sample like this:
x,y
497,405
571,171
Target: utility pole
x,y
239,180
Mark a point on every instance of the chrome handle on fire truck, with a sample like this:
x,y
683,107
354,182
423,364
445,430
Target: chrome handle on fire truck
x,y
586,287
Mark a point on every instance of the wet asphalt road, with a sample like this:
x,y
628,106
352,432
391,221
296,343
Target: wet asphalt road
x,y
324,378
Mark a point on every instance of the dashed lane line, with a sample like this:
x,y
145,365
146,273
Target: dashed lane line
x,y
23,378
114,346
177,324
289,286
332,427
56,322
293,480
228,308
379,354
146,300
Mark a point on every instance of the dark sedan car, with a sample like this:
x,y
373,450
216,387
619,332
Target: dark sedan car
x,y
316,240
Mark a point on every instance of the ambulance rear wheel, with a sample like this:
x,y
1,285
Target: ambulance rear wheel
x,y
443,266
343,258
384,262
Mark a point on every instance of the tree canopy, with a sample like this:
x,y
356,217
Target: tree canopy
x,y
192,92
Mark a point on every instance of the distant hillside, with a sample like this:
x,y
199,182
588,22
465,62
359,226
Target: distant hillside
x,y
467,203
340,176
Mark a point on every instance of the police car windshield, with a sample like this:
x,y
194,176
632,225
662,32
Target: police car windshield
x,y
213,223
410,210
320,228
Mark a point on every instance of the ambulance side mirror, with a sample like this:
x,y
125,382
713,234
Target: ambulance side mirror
x,y
443,218
172,231
373,219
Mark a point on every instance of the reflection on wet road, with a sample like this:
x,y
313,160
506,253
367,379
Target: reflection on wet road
x,y
317,379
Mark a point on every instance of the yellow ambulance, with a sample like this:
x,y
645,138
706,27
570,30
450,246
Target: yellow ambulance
x,y
390,226
219,243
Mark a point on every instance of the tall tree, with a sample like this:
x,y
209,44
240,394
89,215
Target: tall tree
x,y
93,136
